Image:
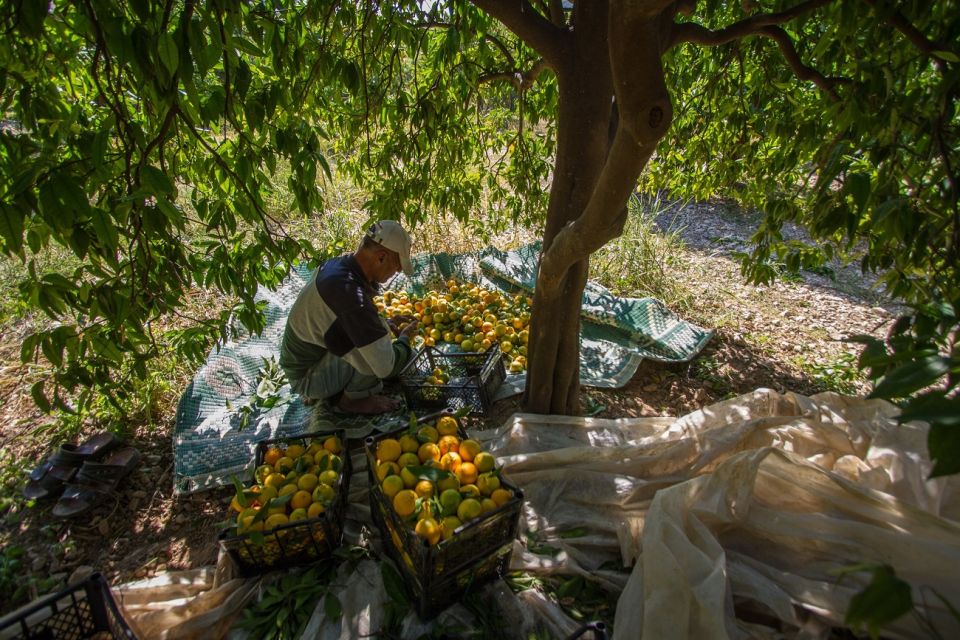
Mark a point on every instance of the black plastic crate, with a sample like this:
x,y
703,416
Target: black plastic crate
x,y
300,542
83,610
439,575
474,379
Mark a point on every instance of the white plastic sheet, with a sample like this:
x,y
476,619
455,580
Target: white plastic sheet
x,y
734,519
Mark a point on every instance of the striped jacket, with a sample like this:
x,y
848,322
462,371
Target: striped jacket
x,y
335,312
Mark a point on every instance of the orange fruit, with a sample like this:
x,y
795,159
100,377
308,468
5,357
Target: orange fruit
x,y
487,483
448,443
388,450
272,455
429,530
315,509
301,500
501,496
469,509
450,462
469,449
449,501
333,444
275,480
428,451
467,473
409,459
427,434
385,469
404,503
447,425
488,505
294,451
409,443
392,485
484,462
424,489
274,521
324,493
450,481
284,464
308,482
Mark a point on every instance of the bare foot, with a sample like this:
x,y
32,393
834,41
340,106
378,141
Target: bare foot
x,y
369,406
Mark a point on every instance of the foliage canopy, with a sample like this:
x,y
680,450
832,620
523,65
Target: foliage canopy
x,y
150,138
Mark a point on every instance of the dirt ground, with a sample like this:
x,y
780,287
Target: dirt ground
x,y
787,336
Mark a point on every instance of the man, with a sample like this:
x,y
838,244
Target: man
x,y
336,347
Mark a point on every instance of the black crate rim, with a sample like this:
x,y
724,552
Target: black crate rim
x,y
104,611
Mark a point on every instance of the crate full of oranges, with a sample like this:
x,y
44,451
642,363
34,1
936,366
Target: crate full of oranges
x,y
447,516
293,510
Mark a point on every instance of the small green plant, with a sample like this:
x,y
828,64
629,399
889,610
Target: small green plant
x,y
266,395
638,263
842,375
16,582
287,605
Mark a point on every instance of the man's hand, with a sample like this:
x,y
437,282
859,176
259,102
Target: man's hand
x,y
396,322
409,330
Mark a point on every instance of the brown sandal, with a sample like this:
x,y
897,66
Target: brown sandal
x,y
48,480
95,482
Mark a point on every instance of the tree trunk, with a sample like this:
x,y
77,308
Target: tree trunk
x,y
583,124
602,146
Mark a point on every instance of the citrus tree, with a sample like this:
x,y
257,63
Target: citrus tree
x,y
149,136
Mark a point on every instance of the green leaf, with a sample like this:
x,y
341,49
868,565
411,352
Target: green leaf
x,y
885,599
577,532
156,181
393,584
169,54
935,409
571,588
332,607
30,17
949,56
432,474
11,229
912,376
39,397
858,185
943,441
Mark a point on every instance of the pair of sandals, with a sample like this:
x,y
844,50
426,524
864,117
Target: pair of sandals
x,y
82,476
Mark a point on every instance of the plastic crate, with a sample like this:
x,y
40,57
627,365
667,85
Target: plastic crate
x,y
439,575
474,379
294,543
83,610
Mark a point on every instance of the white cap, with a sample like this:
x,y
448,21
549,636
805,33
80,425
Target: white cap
x,y
390,234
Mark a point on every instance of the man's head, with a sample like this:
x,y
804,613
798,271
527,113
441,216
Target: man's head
x,y
391,244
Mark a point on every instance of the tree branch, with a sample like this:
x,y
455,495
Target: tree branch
x,y
802,71
898,21
762,25
522,19
693,32
521,80
556,13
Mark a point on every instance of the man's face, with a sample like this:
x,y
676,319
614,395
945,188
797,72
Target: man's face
x,y
388,266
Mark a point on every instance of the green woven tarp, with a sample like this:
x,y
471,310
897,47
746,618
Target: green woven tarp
x,y
210,446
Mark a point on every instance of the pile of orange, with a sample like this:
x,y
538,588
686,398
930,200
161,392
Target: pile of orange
x,y
437,481
293,482
467,315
